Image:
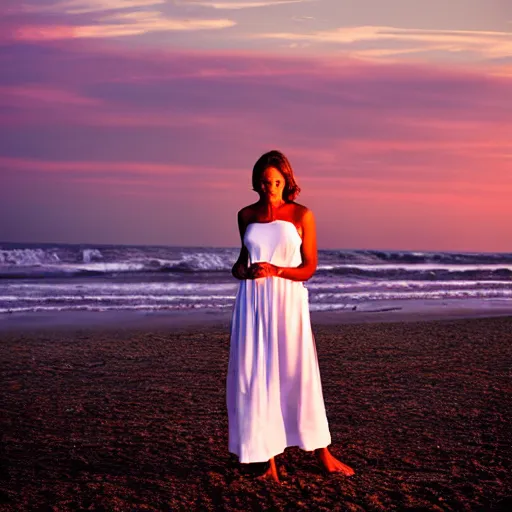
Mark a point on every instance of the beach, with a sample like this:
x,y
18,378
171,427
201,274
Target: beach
x,y
127,416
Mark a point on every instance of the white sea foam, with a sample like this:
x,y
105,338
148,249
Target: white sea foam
x,y
27,257
119,287
89,254
125,307
113,298
405,284
419,266
425,294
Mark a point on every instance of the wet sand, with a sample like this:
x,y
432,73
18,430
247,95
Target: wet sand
x,y
134,419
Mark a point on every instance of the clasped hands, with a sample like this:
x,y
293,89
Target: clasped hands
x,y
258,270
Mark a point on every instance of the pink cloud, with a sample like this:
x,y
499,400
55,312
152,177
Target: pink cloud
x,y
115,24
36,95
398,186
43,32
145,168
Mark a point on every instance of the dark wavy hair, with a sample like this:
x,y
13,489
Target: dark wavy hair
x,y
277,160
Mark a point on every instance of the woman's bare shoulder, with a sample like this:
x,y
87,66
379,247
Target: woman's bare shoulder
x,y
246,214
301,213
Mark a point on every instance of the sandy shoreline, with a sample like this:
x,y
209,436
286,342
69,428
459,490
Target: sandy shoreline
x,y
134,419
376,312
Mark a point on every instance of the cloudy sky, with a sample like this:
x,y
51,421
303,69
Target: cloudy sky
x,y
139,121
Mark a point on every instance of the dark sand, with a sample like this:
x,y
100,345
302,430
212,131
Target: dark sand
x,y
135,420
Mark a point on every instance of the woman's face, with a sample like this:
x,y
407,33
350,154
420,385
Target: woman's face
x,y
272,184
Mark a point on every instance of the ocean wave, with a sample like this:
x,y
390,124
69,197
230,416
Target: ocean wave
x,y
27,257
400,284
18,262
120,287
35,263
116,298
421,272
202,262
125,307
377,257
89,255
370,295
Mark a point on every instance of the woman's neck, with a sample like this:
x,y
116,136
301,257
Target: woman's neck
x,y
273,204
272,207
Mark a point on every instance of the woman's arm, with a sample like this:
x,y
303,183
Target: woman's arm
x,y
309,256
240,268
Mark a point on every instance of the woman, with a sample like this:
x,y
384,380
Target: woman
x,y
274,394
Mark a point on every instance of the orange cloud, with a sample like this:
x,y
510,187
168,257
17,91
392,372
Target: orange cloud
x,y
139,24
241,4
355,41
43,32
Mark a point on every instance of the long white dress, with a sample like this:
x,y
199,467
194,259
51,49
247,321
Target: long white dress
x,y
274,394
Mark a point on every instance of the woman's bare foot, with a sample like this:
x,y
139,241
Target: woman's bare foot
x,y
332,464
271,472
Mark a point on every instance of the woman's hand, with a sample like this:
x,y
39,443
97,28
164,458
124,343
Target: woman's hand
x,y
262,269
240,271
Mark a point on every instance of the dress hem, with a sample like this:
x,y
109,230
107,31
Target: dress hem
x,y
259,459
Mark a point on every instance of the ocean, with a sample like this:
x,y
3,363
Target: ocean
x,y
63,277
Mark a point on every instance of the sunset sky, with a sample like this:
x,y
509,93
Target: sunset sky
x,y
139,121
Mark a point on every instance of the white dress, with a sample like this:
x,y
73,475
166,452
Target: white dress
x,y
274,393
